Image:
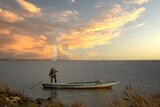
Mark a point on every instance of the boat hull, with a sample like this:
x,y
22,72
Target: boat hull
x,y
80,85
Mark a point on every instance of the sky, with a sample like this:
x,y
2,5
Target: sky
x,y
91,29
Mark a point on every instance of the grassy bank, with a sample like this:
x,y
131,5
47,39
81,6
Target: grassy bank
x,y
130,98
10,98
133,99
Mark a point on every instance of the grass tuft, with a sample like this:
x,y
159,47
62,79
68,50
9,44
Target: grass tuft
x,y
133,99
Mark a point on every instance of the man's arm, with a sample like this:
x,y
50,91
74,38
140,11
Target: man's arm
x,y
51,72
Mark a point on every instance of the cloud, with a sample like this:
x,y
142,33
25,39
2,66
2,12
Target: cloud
x,y
10,16
83,40
71,1
140,2
31,38
32,26
136,26
92,54
4,32
139,25
100,4
66,15
42,37
23,44
28,6
101,30
5,37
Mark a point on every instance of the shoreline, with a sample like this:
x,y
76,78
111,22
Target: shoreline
x,y
9,98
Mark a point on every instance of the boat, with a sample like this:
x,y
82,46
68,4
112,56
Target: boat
x,y
81,85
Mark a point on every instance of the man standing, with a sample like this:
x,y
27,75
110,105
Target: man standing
x,y
52,74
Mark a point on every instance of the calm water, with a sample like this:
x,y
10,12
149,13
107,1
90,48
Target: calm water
x,y
144,76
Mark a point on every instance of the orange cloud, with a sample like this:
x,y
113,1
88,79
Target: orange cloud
x,y
112,21
28,6
42,37
9,16
22,44
4,32
100,31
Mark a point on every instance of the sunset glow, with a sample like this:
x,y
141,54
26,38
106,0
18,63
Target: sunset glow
x,y
102,30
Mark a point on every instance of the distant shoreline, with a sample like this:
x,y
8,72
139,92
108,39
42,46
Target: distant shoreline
x,y
13,59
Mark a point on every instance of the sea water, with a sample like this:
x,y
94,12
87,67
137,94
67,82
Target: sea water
x,y
143,76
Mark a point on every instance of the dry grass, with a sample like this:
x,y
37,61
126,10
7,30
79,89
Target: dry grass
x,y
133,99
78,104
130,99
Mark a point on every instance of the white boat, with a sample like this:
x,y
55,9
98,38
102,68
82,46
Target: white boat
x,y
81,85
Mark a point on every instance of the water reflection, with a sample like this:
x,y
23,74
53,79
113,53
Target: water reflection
x,y
89,97
53,94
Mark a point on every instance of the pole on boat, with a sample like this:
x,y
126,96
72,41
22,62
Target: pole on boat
x,y
35,85
38,83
